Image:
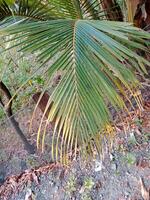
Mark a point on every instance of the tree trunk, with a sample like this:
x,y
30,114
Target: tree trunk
x,y
15,124
142,19
147,8
139,13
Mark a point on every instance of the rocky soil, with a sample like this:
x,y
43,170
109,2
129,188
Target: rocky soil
x,y
123,173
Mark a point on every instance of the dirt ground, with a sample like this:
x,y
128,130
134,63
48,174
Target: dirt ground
x,y
122,174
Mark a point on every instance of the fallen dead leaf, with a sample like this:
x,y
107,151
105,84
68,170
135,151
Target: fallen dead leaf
x,y
144,190
29,195
143,163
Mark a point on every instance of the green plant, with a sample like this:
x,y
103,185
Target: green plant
x,y
71,185
130,159
146,136
132,139
1,113
88,183
86,188
14,71
85,197
98,59
138,121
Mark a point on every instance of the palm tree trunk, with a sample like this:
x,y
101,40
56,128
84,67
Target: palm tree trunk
x,y
131,7
147,8
139,13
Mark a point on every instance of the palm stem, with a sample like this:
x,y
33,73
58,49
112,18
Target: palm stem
x,y
78,8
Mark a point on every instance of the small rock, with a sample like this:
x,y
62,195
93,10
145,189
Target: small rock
x,y
23,165
98,166
114,166
112,157
128,173
51,183
98,185
127,194
100,196
81,190
2,173
55,189
2,178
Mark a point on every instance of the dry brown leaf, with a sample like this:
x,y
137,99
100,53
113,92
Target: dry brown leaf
x,y
143,163
144,190
29,195
14,184
35,178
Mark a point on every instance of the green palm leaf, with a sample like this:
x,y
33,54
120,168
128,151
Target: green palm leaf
x,y
39,9
98,59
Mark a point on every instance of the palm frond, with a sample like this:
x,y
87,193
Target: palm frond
x,y
40,10
97,59
34,10
54,9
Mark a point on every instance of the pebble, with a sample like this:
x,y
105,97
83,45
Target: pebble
x,y
114,166
2,178
98,166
